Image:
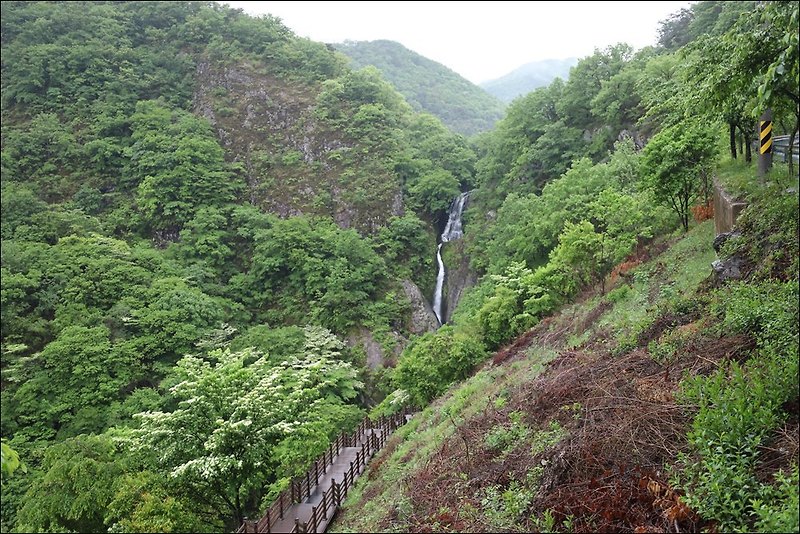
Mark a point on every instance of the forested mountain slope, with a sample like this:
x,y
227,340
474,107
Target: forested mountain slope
x,y
428,86
207,222
181,180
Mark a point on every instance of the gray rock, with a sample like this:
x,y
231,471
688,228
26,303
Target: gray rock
x,y
375,352
363,337
422,317
728,269
460,277
722,238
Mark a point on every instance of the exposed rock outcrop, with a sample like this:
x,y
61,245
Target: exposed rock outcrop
x,y
422,317
459,278
720,239
364,338
293,162
728,269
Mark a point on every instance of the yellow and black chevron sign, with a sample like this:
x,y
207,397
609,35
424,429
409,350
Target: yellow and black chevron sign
x,y
765,135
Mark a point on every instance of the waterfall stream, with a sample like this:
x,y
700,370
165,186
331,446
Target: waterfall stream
x,y
452,231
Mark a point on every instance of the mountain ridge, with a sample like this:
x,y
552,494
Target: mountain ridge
x,y
528,77
428,86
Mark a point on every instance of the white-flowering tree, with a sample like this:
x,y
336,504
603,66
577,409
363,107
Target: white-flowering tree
x,y
242,420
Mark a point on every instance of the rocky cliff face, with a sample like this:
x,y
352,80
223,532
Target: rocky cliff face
x,y
420,320
459,277
422,317
291,160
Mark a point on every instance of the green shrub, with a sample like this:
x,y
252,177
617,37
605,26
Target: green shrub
x,y
504,508
619,293
505,438
740,405
778,509
434,361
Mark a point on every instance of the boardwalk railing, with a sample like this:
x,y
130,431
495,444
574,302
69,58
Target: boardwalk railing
x,y
370,436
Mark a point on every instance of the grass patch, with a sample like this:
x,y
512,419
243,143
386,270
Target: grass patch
x,y
661,283
741,179
379,500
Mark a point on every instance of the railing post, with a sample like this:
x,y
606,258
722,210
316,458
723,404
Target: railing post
x,y
313,521
365,440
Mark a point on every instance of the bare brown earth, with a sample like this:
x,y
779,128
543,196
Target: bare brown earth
x,y
623,426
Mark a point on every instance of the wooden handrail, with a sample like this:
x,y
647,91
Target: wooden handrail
x,y
369,437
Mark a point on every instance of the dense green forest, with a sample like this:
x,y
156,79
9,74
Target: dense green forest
x,y
528,77
189,193
428,86
204,216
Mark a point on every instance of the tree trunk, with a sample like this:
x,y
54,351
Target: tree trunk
x,y
748,154
790,152
740,142
732,130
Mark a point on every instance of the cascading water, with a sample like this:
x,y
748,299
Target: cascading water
x,y
452,231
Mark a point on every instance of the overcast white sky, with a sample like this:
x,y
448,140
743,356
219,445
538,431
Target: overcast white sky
x,y
479,40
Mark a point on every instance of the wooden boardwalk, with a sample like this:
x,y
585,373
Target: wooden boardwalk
x,y
310,502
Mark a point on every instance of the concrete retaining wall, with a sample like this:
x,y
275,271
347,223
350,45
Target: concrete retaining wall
x,y
726,209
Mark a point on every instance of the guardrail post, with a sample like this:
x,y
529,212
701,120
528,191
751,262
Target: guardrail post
x,y
765,143
335,491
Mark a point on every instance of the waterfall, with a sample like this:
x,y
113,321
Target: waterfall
x,y
437,296
452,231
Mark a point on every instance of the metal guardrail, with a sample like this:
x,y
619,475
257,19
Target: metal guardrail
x,y
780,148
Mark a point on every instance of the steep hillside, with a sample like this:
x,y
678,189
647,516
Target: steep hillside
x,y
428,86
620,412
292,157
528,77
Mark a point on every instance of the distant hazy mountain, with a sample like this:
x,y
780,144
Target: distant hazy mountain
x,y
428,86
528,77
